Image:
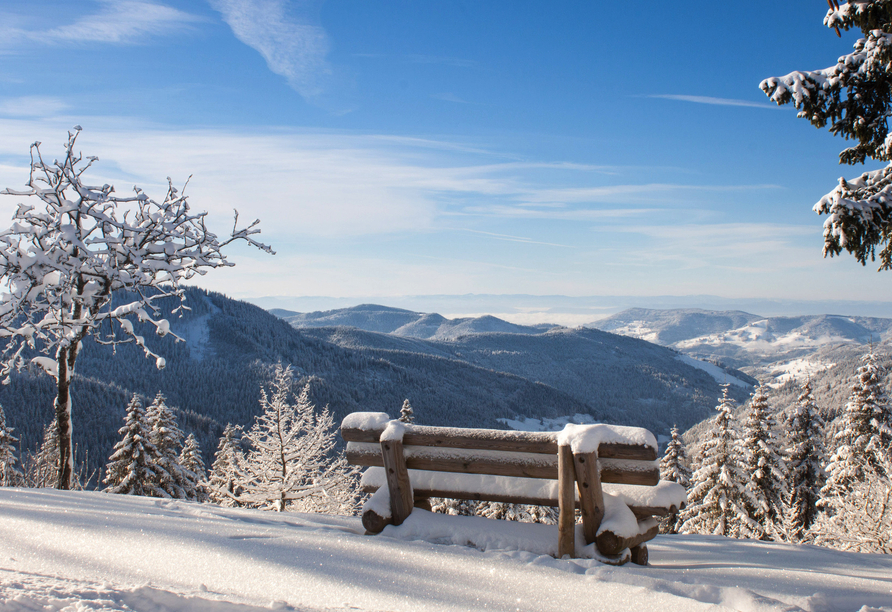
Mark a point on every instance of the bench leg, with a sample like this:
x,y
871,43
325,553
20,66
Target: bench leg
x,y
639,554
591,497
566,503
398,484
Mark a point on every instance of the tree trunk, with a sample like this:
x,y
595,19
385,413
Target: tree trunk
x,y
64,357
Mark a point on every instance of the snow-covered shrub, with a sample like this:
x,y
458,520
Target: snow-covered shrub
x,y
291,461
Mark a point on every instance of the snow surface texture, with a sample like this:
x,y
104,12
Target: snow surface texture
x,y
365,421
84,551
587,438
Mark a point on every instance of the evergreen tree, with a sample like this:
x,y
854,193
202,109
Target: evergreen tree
x,y
167,438
859,519
291,462
854,98
767,484
10,474
193,468
715,502
222,484
805,453
407,415
130,470
865,432
454,507
42,470
674,468
517,512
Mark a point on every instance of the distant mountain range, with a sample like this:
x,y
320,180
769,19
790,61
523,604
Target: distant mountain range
x,y
405,323
779,347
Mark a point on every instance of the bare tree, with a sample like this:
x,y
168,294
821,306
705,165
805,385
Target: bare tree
x,y
64,258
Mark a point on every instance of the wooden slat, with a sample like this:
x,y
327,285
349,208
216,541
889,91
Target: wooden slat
x,y
401,498
535,466
457,437
641,512
495,439
591,497
566,503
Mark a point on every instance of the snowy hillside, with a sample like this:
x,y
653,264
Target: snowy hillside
x,y
92,551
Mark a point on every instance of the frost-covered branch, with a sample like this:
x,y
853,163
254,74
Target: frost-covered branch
x,y
853,99
80,261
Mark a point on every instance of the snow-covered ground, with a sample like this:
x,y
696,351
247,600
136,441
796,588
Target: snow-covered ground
x,y
82,551
717,373
797,370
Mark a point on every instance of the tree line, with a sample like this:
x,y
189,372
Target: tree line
x,y
286,460
797,479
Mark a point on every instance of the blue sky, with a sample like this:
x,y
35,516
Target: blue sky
x,y
445,147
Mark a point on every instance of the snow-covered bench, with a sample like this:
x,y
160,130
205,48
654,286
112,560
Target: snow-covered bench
x,y
409,464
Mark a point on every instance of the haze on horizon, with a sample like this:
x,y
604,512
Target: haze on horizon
x,y
412,149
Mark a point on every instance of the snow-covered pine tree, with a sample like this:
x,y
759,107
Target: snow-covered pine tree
x,y
223,487
805,460
517,512
454,507
767,472
67,255
407,415
674,468
715,500
42,470
10,474
864,435
291,461
860,518
855,99
167,438
193,468
130,470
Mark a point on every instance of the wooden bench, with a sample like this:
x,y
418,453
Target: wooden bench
x,y
408,464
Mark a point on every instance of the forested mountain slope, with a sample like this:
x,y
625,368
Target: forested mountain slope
x,y
214,377
616,378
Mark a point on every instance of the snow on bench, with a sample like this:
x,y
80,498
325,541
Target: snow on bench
x,y
410,463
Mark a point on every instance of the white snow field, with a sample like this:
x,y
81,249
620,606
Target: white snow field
x,y
83,551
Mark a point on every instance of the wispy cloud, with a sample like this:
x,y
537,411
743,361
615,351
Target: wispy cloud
x,y
355,214
122,22
714,101
292,46
32,106
521,239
